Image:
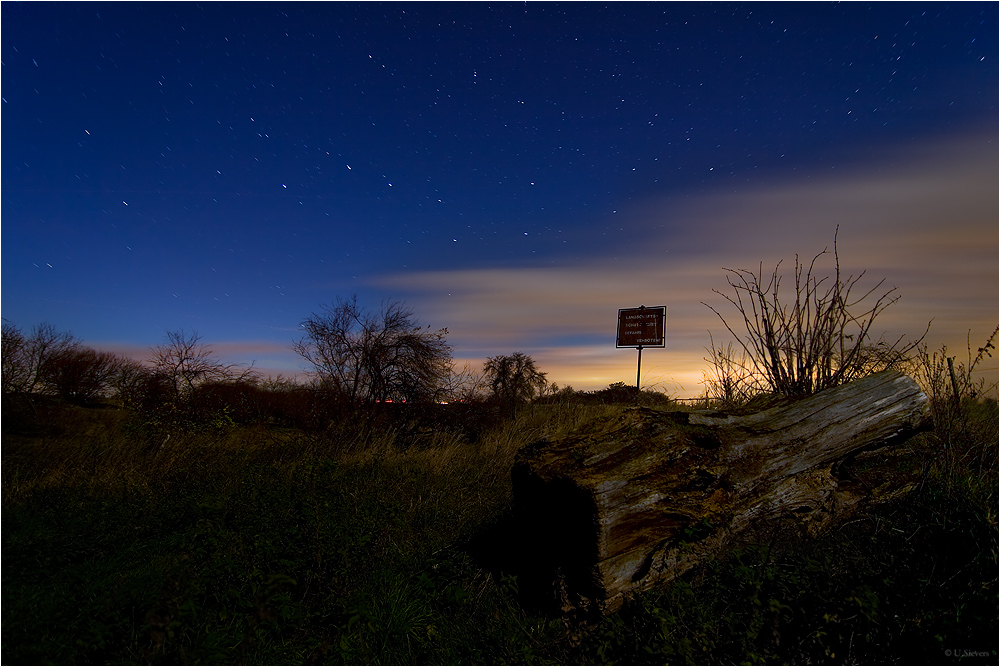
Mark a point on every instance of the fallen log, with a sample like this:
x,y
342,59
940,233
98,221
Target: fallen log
x,y
634,500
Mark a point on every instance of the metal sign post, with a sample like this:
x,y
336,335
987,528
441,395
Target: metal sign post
x,y
638,368
641,327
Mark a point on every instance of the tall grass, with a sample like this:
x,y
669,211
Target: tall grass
x,y
221,544
255,544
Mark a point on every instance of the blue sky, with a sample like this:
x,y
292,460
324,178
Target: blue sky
x,y
515,172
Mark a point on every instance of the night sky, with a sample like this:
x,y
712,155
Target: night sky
x,y
513,172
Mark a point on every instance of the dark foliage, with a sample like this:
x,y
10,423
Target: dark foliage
x,y
513,378
366,358
227,520
80,374
617,393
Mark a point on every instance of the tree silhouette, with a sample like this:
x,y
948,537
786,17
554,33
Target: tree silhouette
x,y
367,357
514,378
26,357
81,374
185,362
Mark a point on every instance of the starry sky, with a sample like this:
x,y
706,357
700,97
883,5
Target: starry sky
x,y
515,172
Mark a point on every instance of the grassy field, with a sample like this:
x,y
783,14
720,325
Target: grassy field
x,y
126,542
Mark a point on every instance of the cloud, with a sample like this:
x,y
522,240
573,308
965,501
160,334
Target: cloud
x,y
923,216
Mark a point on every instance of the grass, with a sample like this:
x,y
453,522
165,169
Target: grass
x,y
902,586
255,544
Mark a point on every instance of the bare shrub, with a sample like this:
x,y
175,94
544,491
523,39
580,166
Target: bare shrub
x,y
127,383
25,357
288,403
367,357
186,362
731,380
242,402
167,395
466,384
14,372
81,374
821,339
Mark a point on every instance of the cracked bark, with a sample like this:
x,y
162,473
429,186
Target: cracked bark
x,y
627,502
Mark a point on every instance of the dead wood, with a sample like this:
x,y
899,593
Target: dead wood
x,y
631,501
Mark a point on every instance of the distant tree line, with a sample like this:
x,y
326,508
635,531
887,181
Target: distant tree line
x,y
50,361
361,361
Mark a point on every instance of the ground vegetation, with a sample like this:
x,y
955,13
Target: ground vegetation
x,y
260,525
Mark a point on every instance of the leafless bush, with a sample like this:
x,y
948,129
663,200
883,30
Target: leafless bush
x,y
185,362
242,402
14,372
165,394
26,357
127,384
81,374
821,339
731,380
374,357
466,384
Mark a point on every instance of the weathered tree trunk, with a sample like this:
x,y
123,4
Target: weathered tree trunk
x,y
630,501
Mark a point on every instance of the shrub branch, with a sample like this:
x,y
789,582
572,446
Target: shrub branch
x,y
818,340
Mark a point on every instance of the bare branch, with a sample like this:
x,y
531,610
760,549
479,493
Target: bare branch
x,y
185,362
369,357
816,341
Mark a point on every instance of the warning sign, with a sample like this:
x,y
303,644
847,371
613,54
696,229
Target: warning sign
x,y
642,327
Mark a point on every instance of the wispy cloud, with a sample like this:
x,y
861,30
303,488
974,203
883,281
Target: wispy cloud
x,y
922,216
